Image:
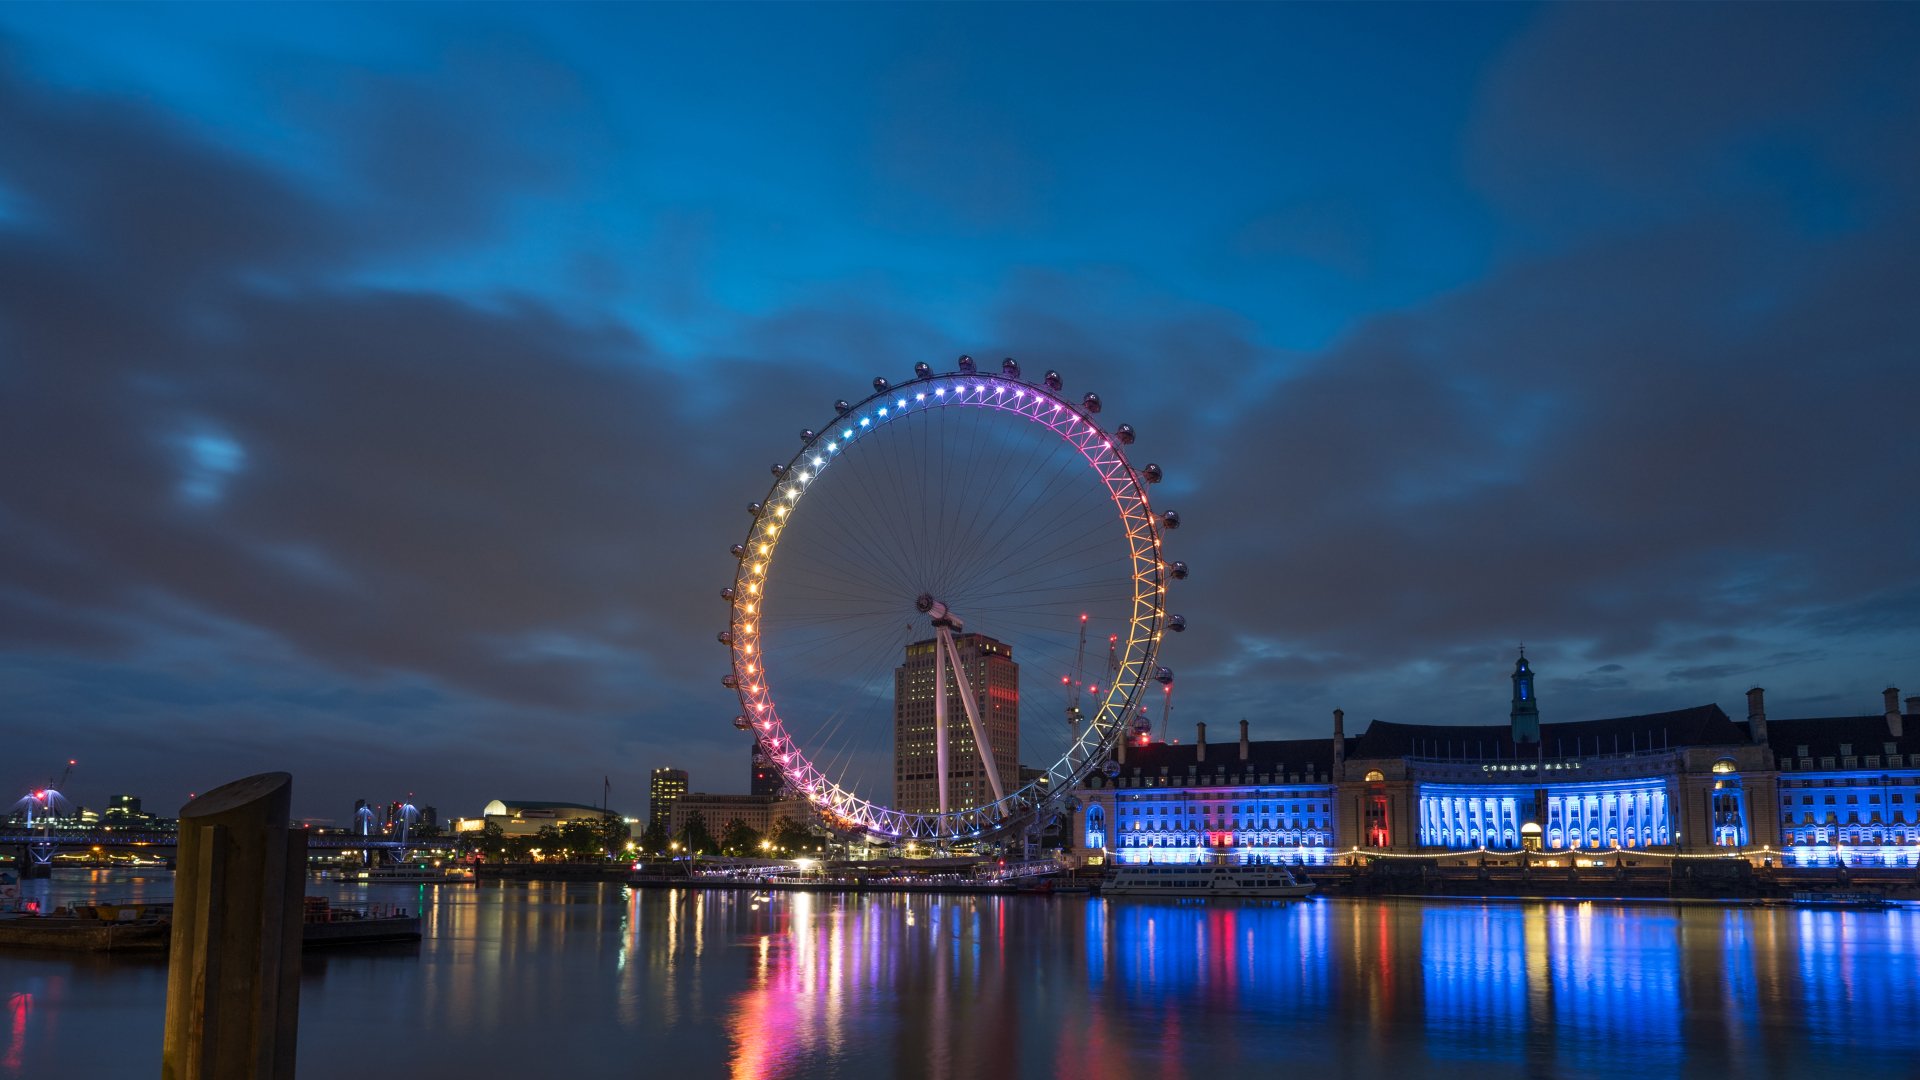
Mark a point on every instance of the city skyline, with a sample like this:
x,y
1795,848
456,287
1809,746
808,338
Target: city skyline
x,y
388,400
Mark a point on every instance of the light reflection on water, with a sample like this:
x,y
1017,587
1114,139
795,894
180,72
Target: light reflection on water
x,y
547,980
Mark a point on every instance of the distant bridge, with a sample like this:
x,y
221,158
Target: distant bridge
x,y
66,839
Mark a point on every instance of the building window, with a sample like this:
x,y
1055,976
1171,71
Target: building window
x,y
1728,812
1378,833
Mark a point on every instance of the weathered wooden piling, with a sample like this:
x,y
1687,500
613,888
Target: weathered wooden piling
x,y
233,980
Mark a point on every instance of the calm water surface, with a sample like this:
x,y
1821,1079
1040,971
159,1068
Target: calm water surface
x,y
577,981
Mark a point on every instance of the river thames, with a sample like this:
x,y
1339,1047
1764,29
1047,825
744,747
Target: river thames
x,y
598,980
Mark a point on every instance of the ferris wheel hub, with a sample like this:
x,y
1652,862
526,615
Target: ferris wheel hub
x,y
941,614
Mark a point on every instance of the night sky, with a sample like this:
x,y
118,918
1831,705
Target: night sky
x,y
380,387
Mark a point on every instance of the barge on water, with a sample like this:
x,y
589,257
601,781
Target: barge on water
x,y
149,927
85,933
324,924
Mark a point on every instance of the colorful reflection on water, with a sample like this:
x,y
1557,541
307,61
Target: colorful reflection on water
x,y
571,980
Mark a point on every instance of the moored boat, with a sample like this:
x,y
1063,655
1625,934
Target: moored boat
x,y
407,874
1840,899
324,923
1270,880
85,933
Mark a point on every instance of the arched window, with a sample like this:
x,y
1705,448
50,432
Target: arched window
x,y
1725,765
1096,827
1375,774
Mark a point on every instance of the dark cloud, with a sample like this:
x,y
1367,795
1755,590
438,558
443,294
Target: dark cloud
x,y
1628,445
104,182
238,465
434,160
1678,108
272,512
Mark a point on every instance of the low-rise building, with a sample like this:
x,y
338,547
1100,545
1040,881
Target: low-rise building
x,y
761,813
526,817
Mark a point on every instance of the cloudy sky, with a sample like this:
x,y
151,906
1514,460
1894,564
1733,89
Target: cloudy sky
x,y
380,386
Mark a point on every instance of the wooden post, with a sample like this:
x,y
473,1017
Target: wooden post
x,y
233,979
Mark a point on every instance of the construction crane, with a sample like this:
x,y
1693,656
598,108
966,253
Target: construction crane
x,y
1073,682
45,797
1164,676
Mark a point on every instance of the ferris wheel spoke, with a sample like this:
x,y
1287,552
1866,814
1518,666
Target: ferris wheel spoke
x,y
998,560
860,542
859,530
984,557
1050,559
962,540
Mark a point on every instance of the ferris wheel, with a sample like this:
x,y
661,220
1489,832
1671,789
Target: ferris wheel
x,y
911,614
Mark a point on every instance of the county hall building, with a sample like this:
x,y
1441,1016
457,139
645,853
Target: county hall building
x,y
1803,792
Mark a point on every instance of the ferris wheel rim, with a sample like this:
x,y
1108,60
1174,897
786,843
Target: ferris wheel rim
x,y
1126,486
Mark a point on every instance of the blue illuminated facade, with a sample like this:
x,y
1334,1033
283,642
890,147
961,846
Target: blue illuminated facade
x,y
1244,802
1602,814
1849,788
1809,792
1258,823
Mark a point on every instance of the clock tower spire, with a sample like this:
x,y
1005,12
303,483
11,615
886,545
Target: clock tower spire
x,y
1526,708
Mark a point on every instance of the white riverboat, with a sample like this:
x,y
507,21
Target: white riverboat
x,y
1204,879
405,874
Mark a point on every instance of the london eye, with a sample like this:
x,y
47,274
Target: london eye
x,y
949,603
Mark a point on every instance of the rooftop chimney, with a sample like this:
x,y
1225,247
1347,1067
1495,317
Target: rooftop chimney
x,y
1200,742
1893,712
1243,740
1913,706
1339,741
1757,715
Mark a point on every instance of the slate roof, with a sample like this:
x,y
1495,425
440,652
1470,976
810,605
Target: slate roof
x,y
1701,725
1265,756
1825,736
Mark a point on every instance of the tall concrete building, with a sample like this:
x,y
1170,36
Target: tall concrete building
x,y
663,790
995,681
